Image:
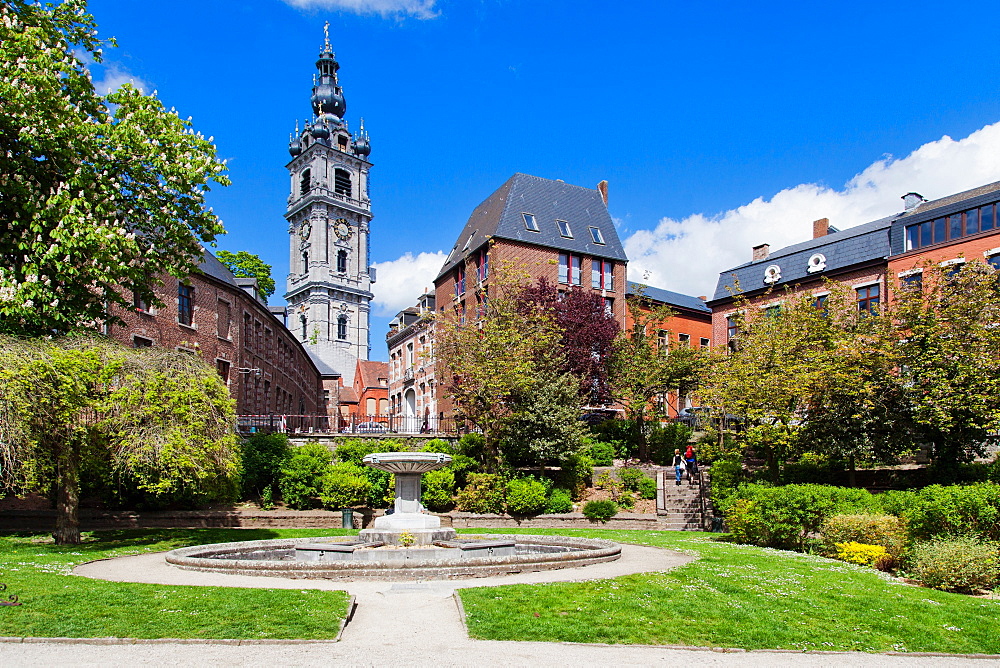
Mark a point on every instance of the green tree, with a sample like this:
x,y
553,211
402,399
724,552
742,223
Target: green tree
x,y
545,426
641,369
489,363
160,419
91,197
950,354
249,265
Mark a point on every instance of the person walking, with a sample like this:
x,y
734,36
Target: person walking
x,y
678,465
691,459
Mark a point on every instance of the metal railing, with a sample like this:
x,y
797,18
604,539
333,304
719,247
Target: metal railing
x,y
371,425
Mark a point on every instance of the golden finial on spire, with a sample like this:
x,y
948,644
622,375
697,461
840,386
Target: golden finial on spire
x,y
326,36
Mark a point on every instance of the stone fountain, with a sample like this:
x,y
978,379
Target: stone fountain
x,y
408,543
408,513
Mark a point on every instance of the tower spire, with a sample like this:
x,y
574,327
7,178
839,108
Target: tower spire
x,y
327,95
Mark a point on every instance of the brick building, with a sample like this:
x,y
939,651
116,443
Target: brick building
x,y
222,318
547,228
856,257
412,386
690,324
947,231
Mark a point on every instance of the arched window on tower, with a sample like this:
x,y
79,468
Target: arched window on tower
x,y
306,183
342,327
304,323
342,262
305,261
342,182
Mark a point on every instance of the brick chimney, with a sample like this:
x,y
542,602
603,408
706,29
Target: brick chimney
x,y
602,187
761,252
821,228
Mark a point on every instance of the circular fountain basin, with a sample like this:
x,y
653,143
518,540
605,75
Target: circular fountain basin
x,y
351,558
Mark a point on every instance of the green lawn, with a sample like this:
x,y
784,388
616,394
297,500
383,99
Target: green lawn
x,y
736,596
57,603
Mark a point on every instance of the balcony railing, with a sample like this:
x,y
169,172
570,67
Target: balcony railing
x,y
369,425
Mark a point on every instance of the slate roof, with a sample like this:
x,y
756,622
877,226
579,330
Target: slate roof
x,y
668,297
941,207
324,368
844,249
211,266
925,207
499,216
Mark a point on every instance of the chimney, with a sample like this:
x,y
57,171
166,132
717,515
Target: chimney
x,y
821,228
761,252
912,200
602,187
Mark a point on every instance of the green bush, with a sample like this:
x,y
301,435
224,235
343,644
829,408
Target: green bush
x,y
725,476
344,485
483,494
785,517
620,433
525,496
472,445
301,475
560,501
353,450
626,500
964,565
955,510
710,450
439,445
663,440
647,488
602,453
885,530
601,511
438,490
263,456
896,502
630,478
812,468
575,474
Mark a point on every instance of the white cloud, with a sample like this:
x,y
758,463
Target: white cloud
x,y
114,76
401,281
421,9
687,255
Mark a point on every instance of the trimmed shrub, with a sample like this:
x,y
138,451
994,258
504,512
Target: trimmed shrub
x,y
630,478
861,554
725,475
619,432
483,494
344,485
263,456
560,501
963,565
602,453
626,500
896,502
439,445
785,517
438,490
647,488
887,531
663,440
955,510
575,475
301,475
353,450
600,511
525,496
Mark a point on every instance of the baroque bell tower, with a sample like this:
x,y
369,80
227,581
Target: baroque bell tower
x,y
329,221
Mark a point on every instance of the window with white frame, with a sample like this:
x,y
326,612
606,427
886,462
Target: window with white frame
x,y
569,269
602,275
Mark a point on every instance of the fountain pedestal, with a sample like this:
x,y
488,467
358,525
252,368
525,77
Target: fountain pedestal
x,y
408,513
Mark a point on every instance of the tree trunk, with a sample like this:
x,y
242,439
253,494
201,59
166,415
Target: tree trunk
x,y
67,495
772,465
852,474
640,438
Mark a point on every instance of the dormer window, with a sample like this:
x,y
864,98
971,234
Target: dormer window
x,y
529,222
564,229
342,142
596,235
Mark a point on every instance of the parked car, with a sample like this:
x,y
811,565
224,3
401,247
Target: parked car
x,y
367,428
695,417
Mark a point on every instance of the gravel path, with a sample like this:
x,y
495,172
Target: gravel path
x,y
413,624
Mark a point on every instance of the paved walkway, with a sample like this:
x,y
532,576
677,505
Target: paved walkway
x,y
414,623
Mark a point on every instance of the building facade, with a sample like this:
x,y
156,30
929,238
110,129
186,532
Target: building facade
x,y
213,314
329,223
412,384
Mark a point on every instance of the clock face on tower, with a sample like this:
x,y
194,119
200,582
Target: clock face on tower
x,y
305,230
342,229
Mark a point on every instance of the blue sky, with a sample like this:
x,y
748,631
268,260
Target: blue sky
x,y
718,125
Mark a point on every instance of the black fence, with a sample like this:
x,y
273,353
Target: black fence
x,y
368,425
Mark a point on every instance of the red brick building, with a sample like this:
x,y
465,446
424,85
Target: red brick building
x,y
221,318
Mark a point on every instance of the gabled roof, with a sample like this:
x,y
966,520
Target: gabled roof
x,y
348,395
668,297
841,250
369,372
500,216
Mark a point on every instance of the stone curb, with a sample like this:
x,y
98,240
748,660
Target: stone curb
x,y
352,605
165,641
461,611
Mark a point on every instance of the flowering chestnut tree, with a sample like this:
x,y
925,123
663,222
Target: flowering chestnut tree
x,y
96,189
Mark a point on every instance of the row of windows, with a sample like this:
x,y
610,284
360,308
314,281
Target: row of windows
x,y
663,340
482,272
341,261
954,226
341,182
571,272
565,229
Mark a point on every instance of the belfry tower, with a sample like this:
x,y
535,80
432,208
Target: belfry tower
x,y
329,216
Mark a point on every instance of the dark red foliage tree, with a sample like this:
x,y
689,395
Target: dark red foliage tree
x,y
588,332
